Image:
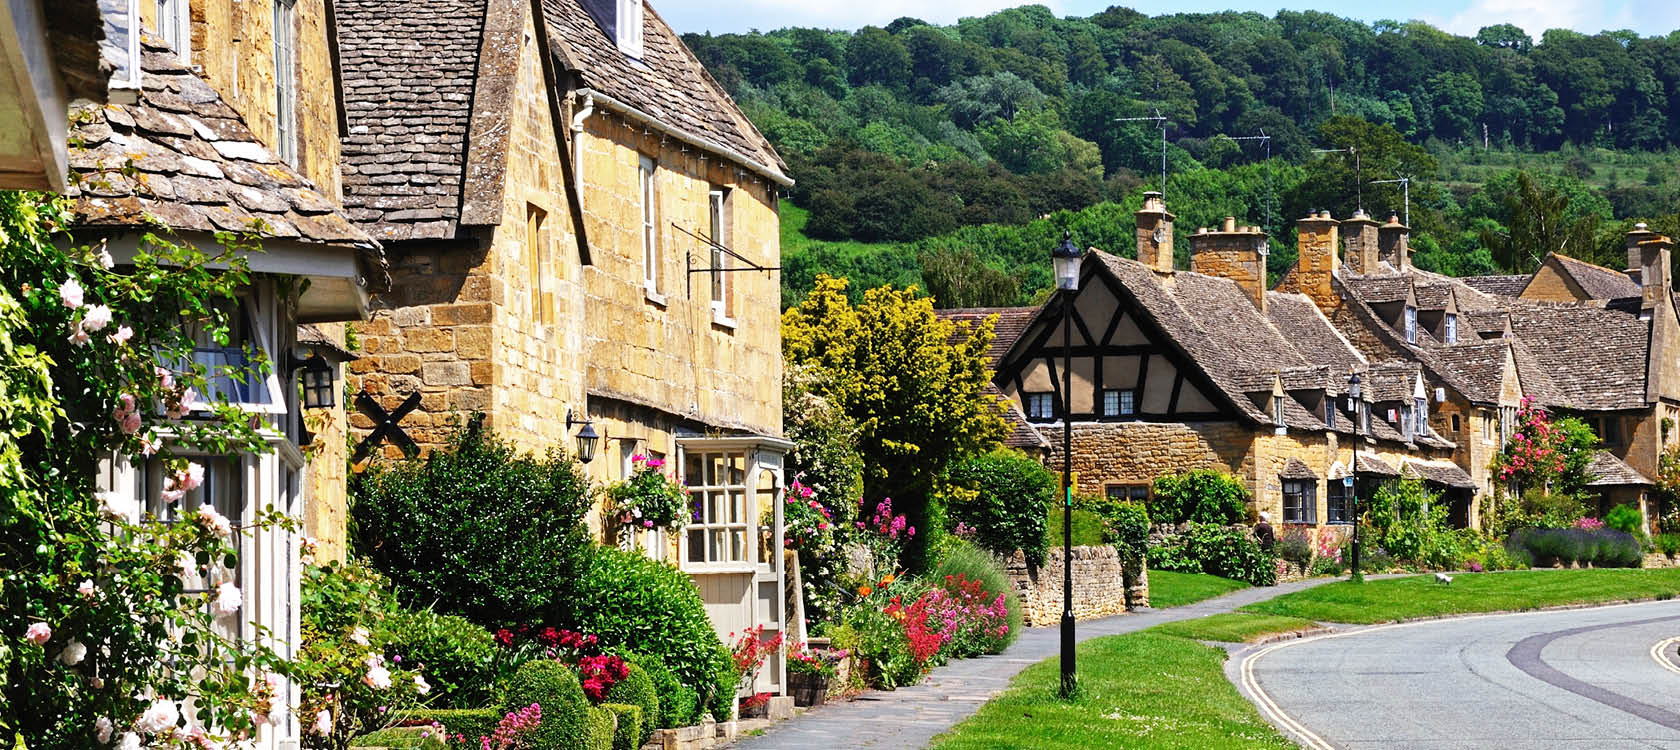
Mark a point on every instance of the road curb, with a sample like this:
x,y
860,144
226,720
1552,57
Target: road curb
x,y
1290,636
1500,612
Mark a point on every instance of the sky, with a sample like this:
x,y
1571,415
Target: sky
x,y
1465,17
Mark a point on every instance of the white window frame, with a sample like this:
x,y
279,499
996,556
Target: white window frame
x,y
628,28
739,498
1450,328
174,26
1277,414
648,196
1411,324
723,285
285,80
262,329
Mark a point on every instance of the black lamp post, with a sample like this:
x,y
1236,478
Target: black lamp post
x,y
586,437
1067,257
1353,493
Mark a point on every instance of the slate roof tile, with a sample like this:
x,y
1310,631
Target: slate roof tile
x,y
197,167
1597,281
1011,322
1504,286
1594,356
1608,471
1441,472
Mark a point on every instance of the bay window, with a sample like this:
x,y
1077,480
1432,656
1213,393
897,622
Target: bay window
x,y
720,524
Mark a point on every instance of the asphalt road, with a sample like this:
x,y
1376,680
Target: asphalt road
x,y
1602,678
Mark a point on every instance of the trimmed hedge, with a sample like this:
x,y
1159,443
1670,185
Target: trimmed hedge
x,y
640,605
628,735
599,725
555,687
455,655
637,689
678,703
1200,496
471,723
1007,498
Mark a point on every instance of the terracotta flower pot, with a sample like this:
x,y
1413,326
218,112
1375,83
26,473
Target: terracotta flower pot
x,y
807,689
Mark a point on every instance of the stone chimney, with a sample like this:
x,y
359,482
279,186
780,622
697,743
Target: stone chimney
x,y
1233,252
1155,233
1648,254
1359,232
1316,258
1392,238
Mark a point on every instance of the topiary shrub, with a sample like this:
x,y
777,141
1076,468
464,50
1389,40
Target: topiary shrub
x,y
555,687
637,689
629,733
965,559
599,725
677,702
640,605
1624,518
1200,496
470,723
477,529
1004,496
456,656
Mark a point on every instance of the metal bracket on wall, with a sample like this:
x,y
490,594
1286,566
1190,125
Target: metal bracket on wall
x,y
692,269
386,426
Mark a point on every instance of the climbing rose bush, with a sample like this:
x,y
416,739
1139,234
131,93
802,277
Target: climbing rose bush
x,y
116,621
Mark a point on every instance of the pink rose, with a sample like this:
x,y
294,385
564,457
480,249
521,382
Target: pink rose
x,y
38,633
70,293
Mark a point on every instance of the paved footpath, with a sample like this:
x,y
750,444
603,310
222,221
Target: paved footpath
x,y
908,718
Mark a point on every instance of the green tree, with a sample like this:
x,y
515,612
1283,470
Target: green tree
x,y
876,57
1540,218
915,384
1005,497
958,278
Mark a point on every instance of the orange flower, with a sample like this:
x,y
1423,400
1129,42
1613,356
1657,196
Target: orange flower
x,y
865,591
887,580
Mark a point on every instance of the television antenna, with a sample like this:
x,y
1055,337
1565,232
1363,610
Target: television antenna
x,y
1406,188
1162,121
1267,140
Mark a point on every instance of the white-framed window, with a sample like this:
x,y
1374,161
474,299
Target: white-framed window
x,y
1277,412
229,365
720,530
173,26
648,195
723,285
223,488
1420,416
1411,325
1507,423
1040,405
1119,403
1300,501
285,80
629,28
1450,328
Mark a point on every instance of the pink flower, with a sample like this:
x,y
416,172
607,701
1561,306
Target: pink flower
x,y
38,633
79,336
647,523
194,477
228,599
214,522
96,318
70,293
166,378
130,423
86,589
121,336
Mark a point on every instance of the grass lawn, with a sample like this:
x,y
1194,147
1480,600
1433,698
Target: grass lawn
x,y
1420,596
1169,589
1233,627
1141,690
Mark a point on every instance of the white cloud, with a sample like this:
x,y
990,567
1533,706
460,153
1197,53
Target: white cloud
x,y
1646,17
767,15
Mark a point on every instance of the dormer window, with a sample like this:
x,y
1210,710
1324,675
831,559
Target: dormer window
x,y
1277,412
1411,325
1449,330
1330,413
1420,416
629,29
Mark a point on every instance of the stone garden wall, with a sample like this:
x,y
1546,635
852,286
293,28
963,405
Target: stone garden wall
x,y
1100,586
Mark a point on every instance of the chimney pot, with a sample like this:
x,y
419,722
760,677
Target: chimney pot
x,y
1155,233
1230,223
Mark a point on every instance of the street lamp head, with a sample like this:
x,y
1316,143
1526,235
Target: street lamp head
x,y
1353,386
1067,257
586,437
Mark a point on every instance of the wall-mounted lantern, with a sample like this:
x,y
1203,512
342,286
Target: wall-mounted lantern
x,y
317,376
586,437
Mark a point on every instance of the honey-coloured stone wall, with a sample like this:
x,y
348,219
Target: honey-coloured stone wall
x,y
1100,586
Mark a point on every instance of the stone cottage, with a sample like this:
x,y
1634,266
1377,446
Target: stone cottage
x,y
1175,370
583,229
1580,340
232,126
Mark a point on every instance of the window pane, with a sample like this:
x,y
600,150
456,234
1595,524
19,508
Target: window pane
x,y
714,469
737,469
738,545
1127,402
718,550
694,472
696,545
737,507
718,510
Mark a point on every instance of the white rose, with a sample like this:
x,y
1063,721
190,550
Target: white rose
x,y
359,635
96,318
421,686
86,588
130,741
116,505
161,715
105,259
74,652
323,722
228,599
70,293
102,730
378,678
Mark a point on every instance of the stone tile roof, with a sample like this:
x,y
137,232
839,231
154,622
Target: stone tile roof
x,y
1432,296
1483,321
1532,375
1295,468
197,167
1369,464
1011,322
1476,370
1608,471
1597,281
312,336
1504,286
668,84
1022,434
1299,320
409,69
1379,289
1595,356
1440,472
